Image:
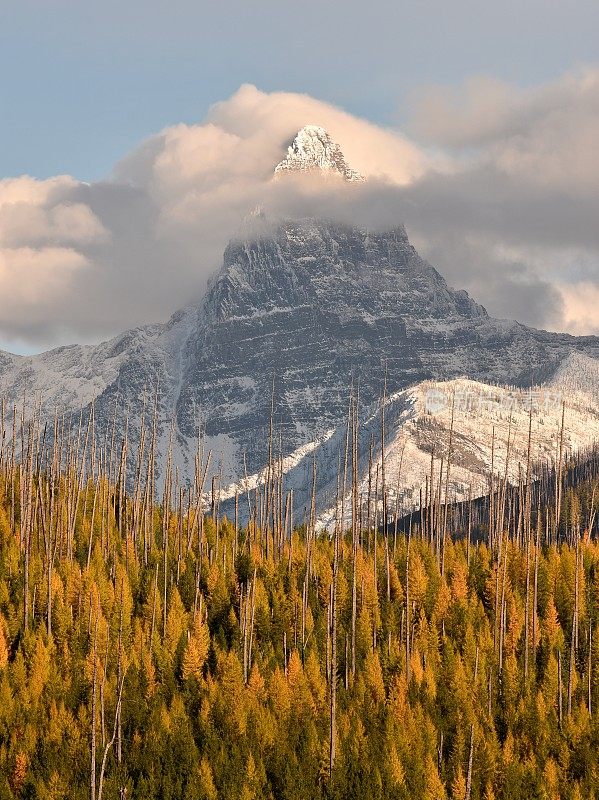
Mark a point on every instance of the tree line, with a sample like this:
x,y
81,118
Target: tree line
x,y
152,647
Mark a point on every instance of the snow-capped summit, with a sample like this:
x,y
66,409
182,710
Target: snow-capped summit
x,y
313,149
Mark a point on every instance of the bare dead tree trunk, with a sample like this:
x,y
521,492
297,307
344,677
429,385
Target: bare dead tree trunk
x,y
492,544
333,726
375,557
572,664
155,598
559,689
397,496
527,607
368,499
535,595
559,473
447,471
110,743
165,533
590,671
469,539
408,621
498,607
470,759
120,677
92,783
430,494
384,484
355,536
577,594
245,600
252,615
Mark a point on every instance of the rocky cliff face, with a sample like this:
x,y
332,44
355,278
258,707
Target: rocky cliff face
x,y
315,306
313,149
307,305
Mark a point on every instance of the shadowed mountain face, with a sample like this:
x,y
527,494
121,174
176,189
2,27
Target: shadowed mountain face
x,y
316,306
311,305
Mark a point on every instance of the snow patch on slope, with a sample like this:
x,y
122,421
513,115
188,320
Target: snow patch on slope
x,y
417,434
483,414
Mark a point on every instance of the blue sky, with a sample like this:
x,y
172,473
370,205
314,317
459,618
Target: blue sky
x,y
81,83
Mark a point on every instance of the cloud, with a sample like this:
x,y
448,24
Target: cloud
x,y
514,220
581,301
35,280
545,135
502,280
272,119
501,194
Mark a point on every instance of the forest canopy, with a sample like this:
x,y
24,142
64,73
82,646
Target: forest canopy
x,y
156,649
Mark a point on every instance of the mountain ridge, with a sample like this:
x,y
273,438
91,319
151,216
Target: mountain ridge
x,y
308,306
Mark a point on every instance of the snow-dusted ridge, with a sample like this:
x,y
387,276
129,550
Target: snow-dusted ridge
x,y
417,426
318,305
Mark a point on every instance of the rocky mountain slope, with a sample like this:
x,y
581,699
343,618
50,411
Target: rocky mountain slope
x,y
418,421
307,306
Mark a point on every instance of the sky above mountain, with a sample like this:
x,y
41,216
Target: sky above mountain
x,y
475,126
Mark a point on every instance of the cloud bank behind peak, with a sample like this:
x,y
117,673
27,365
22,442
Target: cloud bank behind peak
x,y
501,194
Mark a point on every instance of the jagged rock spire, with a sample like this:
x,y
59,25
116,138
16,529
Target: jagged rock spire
x,y
313,149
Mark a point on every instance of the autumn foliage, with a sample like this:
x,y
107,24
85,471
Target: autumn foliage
x,y
163,653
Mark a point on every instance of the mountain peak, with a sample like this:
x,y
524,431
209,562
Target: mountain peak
x,y
313,149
